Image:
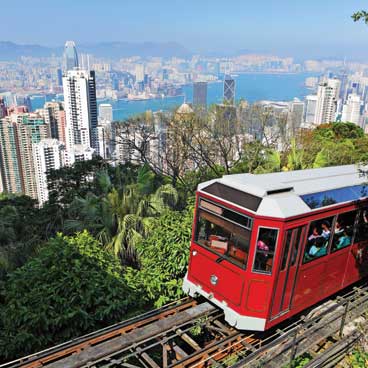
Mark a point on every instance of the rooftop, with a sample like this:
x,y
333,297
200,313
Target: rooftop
x,y
291,193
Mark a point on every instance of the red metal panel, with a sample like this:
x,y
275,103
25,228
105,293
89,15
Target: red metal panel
x,y
258,295
335,270
278,289
229,283
310,283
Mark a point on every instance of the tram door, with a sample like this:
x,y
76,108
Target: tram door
x,y
287,271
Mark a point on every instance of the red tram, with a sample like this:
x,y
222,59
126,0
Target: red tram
x,y
265,247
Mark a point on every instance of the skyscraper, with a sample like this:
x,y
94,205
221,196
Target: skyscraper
x,y
200,94
297,113
18,132
229,90
54,115
351,111
327,97
60,77
48,154
310,108
80,108
139,73
70,56
3,109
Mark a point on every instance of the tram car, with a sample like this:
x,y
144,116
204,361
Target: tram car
x,y
265,247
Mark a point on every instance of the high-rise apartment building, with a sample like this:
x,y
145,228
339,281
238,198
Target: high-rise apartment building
x,y
296,114
200,94
351,111
18,132
59,74
3,109
70,57
310,109
80,109
105,112
139,73
48,154
229,90
327,97
54,115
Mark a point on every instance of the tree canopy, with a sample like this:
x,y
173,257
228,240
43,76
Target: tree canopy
x,y
70,288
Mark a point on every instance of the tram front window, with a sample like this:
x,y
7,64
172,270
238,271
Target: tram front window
x,y
228,240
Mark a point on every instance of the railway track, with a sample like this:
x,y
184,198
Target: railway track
x,y
182,334
189,333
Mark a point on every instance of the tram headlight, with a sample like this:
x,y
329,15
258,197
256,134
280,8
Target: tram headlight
x,y
214,279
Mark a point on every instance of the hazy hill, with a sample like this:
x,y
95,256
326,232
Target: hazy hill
x,y
113,50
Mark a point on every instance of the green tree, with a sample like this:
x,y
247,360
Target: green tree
x,y
70,288
22,230
336,153
360,15
163,257
295,157
120,220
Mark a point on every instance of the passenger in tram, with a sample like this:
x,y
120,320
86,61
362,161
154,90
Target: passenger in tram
x,y
319,247
262,256
316,233
345,239
326,229
338,227
261,244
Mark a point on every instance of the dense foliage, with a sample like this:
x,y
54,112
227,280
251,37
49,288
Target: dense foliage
x,y
163,256
70,288
58,281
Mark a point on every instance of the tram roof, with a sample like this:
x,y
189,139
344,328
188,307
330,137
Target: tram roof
x,y
291,193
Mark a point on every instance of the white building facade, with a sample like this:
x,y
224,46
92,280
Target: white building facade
x,y
351,110
80,109
48,154
327,97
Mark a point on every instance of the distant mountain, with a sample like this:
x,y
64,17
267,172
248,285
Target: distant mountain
x,y
113,50
11,51
116,50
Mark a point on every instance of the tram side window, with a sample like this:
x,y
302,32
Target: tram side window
x,y
265,250
286,249
318,239
362,226
223,238
344,230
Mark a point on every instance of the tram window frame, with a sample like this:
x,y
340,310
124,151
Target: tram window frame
x,y
296,244
259,251
307,257
363,215
346,230
229,250
286,248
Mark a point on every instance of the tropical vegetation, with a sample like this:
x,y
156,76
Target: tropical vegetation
x,y
114,239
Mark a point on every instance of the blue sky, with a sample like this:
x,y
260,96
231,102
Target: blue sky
x,y
286,27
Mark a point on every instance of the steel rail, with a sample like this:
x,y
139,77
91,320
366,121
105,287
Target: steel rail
x,y
164,337
72,346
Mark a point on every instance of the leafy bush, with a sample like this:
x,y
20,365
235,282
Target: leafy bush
x,y
358,359
70,288
163,257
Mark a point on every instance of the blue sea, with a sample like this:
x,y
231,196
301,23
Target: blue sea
x,y
251,87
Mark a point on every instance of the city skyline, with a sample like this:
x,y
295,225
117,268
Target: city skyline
x,y
199,27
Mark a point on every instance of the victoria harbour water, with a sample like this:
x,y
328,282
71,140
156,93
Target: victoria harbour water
x,y
251,87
